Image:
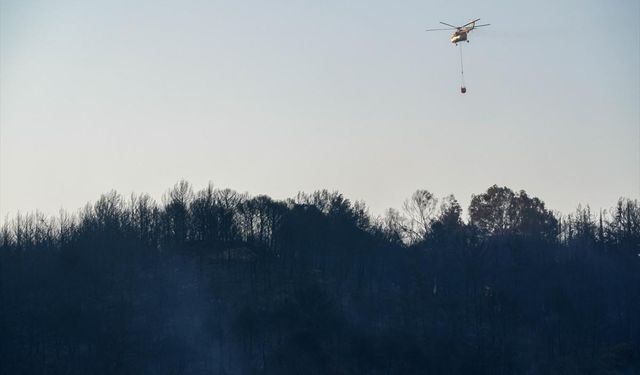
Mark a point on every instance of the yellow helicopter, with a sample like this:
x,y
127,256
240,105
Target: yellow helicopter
x,y
461,32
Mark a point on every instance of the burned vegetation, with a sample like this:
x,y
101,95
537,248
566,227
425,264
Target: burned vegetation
x,y
218,282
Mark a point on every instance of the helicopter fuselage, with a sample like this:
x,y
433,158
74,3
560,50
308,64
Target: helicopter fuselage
x,y
459,36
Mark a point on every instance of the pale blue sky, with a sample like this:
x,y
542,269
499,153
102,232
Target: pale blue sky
x,y
284,96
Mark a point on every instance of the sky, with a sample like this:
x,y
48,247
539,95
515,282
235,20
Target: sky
x,y
279,97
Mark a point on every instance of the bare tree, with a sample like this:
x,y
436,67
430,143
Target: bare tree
x,y
420,211
176,210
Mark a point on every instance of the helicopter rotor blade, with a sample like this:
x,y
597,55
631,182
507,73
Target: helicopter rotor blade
x,y
439,29
486,24
474,21
455,27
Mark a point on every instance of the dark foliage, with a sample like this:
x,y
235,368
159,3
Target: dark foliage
x,y
217,282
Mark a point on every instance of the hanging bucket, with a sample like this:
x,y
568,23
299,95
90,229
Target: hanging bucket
x,y
463,89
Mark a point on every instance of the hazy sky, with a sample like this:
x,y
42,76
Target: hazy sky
x,y
275,97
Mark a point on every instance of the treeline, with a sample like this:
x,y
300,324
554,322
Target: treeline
x,y
217,281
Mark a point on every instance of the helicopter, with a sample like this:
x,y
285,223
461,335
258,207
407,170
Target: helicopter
x,y
461,32
460,35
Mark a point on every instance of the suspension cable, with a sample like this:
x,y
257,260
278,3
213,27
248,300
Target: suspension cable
x,y
461,66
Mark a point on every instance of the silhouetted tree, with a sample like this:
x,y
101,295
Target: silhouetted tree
x,y
176,213
419,210
500,211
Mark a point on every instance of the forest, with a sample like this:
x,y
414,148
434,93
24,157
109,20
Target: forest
x,y
220,282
